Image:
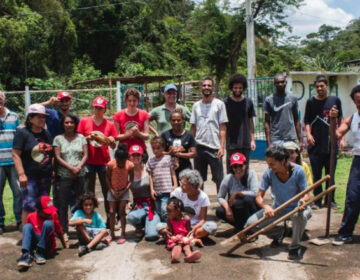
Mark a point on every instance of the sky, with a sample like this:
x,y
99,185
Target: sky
x,y
314,13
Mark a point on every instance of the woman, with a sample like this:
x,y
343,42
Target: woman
x,y
295,157
286,180
195,202
143,213
241,186
98,154
33,154
132,124
71,154
179,142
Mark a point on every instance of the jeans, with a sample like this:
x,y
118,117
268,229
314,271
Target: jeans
x,y
160,205
90,178
68,191
352,202
10,173
318,162
299,221
242,209
139,218
31,240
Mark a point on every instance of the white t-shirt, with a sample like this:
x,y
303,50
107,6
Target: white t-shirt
x,y
207,118
202,201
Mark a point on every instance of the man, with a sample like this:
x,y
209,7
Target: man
x,y
9,121
208,125
98,154
352,203
161,114
286,180
63,101
281,115
240,137
317,121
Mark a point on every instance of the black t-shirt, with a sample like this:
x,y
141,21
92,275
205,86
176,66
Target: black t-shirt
x,y
317,116
238,130
37,152
186,140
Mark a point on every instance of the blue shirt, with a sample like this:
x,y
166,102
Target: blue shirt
x,y
8,127
97,221
284,191
53,122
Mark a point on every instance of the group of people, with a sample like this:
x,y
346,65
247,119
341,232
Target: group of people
x,y
57,148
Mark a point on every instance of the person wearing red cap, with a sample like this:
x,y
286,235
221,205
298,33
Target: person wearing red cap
x,y
241,187
98,154
63,101
132,123
39,233
143,214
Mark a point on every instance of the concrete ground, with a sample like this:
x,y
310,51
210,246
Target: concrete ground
x,y
138,259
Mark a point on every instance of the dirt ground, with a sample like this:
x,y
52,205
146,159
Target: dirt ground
x,y
138,259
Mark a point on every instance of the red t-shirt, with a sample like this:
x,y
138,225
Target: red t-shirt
x,y
37,222
126,122
97,154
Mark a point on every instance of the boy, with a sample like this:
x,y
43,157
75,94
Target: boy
x,y
39,233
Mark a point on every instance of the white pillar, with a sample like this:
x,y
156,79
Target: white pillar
x,y
27,97
118,96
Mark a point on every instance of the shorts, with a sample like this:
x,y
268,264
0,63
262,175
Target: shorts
x,y
207,156
92,232
209,226
34,190
126,196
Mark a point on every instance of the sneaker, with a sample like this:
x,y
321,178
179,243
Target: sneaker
x,y
315,207
277,242
39,256
24,261
83,250
341,240
100,246
294,254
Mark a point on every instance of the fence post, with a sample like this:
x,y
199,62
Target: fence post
x,y
118,96
27,98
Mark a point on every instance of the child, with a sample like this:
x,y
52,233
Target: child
x,y
39,233
178,227
89,224
162,176
119,177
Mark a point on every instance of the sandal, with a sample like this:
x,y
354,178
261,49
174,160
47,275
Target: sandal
x,y
121,241
194,256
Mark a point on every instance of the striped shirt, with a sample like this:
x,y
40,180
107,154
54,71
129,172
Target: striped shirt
x,y
160,170
8,126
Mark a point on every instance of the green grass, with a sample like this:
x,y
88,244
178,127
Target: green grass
x,y
8,203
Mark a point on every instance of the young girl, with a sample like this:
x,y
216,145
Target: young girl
x,y
162,176
119,177
89,224
178,227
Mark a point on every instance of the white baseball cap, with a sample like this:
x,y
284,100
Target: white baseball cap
x,y
36,109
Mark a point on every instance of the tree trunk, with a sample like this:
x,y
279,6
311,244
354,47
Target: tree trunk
x,y
217,85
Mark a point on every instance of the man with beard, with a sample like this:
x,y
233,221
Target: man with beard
x,y
240,137
208,125
281,115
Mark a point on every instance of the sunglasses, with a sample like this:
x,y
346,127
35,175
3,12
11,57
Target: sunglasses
x,y
237,166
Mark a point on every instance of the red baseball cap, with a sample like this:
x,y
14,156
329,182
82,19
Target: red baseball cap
x,y
63,94
99,101
47,205
136,149
237,158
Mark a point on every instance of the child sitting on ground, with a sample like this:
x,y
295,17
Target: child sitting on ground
x,y
162,176
119,178
39,233
178,228
89,225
